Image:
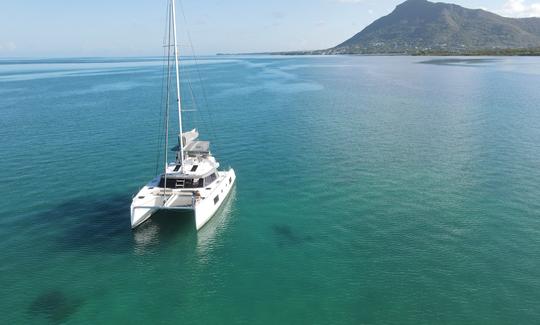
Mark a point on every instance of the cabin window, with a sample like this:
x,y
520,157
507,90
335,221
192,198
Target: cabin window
x,y
177,168
194,168
188,183
181,183
216,199
171,183
230,180
210,179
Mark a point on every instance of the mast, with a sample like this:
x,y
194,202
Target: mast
x,y
181,145
167,104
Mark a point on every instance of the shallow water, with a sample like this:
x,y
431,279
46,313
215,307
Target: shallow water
x,y
370,190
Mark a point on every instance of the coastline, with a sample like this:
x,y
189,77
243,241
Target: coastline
x,y
442,53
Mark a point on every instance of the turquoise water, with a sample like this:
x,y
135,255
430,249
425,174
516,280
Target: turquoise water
x,y
371,190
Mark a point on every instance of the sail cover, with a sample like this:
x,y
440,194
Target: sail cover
x,y
189,137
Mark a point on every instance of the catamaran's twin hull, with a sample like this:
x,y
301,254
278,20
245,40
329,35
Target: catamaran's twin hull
x,y
150,200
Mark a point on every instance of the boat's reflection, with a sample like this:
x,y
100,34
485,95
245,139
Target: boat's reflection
x,y
208,237
170,226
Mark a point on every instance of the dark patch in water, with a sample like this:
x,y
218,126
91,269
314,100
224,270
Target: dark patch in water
x,y
103,224
288,236
54,305
97,224
464,62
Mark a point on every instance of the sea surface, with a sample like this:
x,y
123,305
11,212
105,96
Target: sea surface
x,y
370,190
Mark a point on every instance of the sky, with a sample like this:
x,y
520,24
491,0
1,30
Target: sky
x,y
57,28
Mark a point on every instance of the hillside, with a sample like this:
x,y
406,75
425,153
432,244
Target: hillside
x,y
420,26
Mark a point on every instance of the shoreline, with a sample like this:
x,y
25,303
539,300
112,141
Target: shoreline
x,y
472,53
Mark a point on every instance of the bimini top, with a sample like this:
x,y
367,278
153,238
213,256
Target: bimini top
x,y
198,148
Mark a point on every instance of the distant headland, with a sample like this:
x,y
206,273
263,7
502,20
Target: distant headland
x,y
420,27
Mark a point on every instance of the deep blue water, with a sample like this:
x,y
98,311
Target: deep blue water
x,y
370,190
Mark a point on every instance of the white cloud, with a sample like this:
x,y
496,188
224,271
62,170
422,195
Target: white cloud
x,y
8,47
520,8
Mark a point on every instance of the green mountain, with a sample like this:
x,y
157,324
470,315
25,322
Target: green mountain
x,y
420,26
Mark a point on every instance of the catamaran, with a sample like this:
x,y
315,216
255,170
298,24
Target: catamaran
x,y
193,181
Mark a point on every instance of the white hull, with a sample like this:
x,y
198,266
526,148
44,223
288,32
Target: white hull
x,y
150,199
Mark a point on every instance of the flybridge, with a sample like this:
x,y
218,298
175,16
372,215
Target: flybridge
x,y
194,147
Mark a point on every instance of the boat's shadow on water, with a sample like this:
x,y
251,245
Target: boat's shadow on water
x,y
98,225
102,225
